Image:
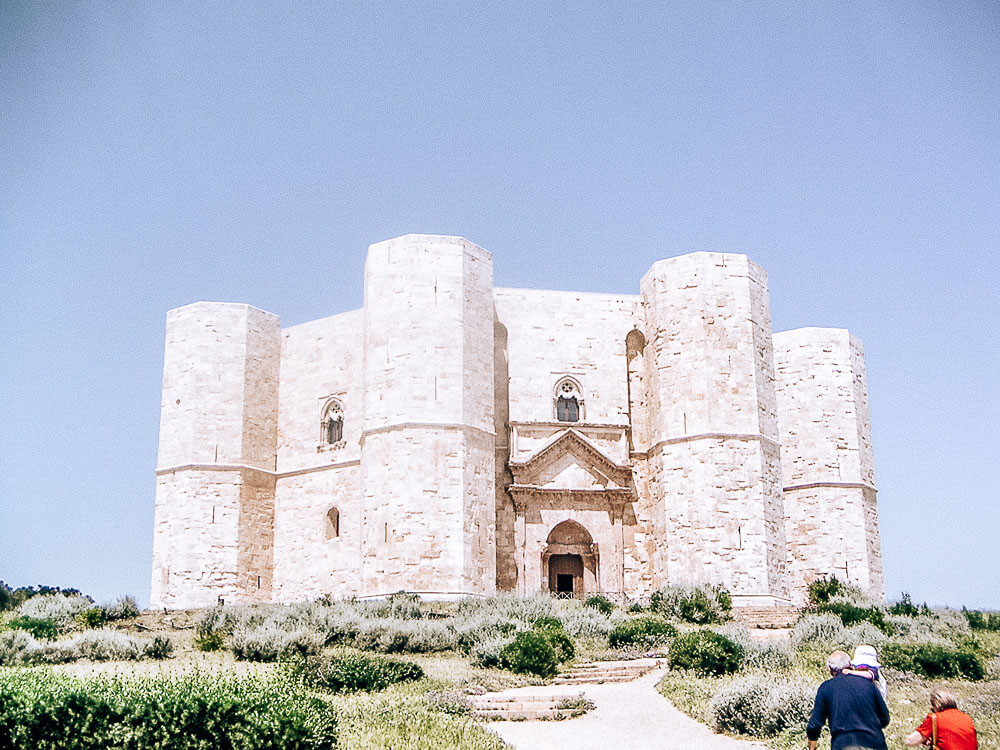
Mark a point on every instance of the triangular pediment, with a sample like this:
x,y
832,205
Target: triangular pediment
x,y
570,462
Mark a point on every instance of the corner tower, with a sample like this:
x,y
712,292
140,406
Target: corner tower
x,y
215,478
428,443
828,468
713,458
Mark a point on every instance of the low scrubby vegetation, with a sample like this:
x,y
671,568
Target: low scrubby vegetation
x,y
705,652
645,632
761,706
770,692
39,709
701,605
19,647
351,671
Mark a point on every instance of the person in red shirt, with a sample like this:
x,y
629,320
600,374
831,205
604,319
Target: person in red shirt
x,y
955,730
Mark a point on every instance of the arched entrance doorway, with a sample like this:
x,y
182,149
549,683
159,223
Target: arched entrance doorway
x,y
570,561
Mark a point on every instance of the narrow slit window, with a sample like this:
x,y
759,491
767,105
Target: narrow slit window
x,y
332,523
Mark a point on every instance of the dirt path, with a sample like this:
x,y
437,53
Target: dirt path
x,y
629,716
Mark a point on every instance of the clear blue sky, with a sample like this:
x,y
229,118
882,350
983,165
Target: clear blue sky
x,y
154,154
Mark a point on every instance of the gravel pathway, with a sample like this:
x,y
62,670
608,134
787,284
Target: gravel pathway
x,y
629,716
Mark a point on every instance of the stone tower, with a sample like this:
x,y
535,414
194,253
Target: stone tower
x,y
827,462
713,461
215,468
428,442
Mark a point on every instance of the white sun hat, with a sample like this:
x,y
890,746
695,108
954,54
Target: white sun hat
x,y
865,656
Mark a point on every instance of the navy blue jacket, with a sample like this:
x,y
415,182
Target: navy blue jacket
x,y
856,712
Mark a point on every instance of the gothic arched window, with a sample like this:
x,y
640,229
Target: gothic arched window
x,y
332,523
332,427
568,400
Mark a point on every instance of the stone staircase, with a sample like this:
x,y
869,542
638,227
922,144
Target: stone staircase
x,y
767,618
545,702
598,672
524,706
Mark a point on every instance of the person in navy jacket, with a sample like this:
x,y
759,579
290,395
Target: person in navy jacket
x,y
852,705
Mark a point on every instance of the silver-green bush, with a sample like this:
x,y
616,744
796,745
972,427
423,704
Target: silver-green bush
x,y
767,656
759,706
122,609
825,630
14,645
61,609
106,645
268,642
486,651
863,632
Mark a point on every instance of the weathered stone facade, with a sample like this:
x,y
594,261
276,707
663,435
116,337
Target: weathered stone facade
x,y
455,439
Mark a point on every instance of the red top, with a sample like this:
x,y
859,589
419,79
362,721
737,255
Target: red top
x,y
955,730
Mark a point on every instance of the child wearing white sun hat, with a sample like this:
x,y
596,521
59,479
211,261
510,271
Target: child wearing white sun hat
x,y
865,664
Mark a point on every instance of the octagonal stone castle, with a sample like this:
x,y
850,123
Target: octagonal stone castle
x,y
455,439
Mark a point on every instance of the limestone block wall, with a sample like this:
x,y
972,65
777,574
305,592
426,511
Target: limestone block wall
x,y
713,460
309,562
320,360
213,524
832,521
428,444
551,334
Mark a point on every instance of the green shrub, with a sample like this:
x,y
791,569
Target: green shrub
x,y
702,605
823,589
989,621
92,618
906,608
531,652
209,633
350,671
934,660
39,628
210,640
601,603
851,614
705,653
159,648
548,621
645,632
761,707
39,709
561,643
